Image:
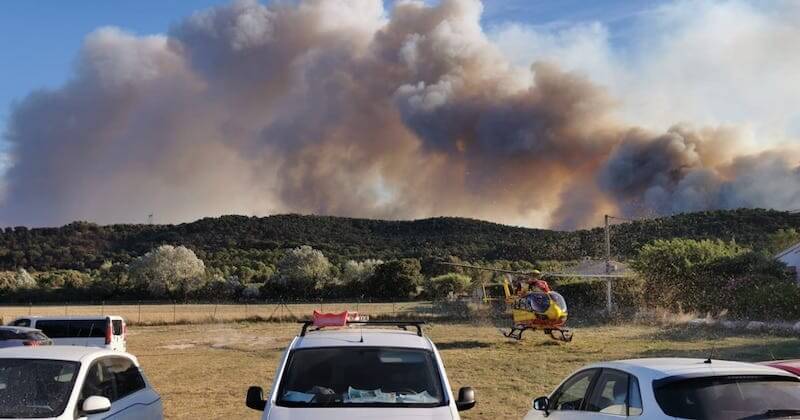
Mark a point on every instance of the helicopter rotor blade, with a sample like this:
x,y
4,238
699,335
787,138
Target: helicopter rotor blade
x,y
589,276
497,270
536,272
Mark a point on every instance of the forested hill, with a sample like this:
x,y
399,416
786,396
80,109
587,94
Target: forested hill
x,y
230,240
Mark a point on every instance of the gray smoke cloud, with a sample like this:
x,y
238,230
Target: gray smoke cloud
x,y
338,107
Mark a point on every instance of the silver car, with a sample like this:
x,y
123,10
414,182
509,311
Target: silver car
x,y
11,336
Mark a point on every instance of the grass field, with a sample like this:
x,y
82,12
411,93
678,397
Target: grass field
x,y
203,370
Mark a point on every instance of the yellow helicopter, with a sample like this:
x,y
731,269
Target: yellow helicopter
x,y
534,305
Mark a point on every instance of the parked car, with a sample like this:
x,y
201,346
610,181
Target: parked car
x,y
363,373
106,331
21,336
672,388
791,366
74,382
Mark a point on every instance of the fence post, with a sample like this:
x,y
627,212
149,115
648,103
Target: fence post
x,y
102,307
245,310
140,312
66,308
30,308
174,309
214,317
394,310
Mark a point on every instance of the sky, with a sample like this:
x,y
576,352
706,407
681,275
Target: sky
x,y
542,113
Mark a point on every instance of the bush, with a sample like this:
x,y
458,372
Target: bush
x,y
441,287
590,296
715,277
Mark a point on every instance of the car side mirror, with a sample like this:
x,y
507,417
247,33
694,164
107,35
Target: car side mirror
x,y
95,405
255,398
466,399
542,404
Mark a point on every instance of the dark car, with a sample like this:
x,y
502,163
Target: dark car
x,y
21,336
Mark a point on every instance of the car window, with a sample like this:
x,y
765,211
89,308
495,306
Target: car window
x,y
11,335
610,393
572,394
36,335
35,388
54,329
117,325
22,323
99,382
361,376
728,396
127,377
94,328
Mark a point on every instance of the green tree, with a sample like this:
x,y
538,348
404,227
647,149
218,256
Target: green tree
x,y
302,272
355,273
782,239
169,271
396,279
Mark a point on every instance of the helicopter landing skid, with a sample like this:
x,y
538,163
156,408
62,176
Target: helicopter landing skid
x,y
515,333
559,334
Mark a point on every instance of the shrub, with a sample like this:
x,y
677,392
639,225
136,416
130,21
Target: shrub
x,y
441,287
588,296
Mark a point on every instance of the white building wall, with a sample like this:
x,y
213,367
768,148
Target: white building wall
x,y
792,259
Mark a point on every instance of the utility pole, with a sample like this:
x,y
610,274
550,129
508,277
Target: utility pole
x,y
608,265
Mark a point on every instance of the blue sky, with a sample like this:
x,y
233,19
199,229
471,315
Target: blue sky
x,y
39,39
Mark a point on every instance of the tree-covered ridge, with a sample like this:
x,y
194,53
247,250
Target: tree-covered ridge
x,y
243,241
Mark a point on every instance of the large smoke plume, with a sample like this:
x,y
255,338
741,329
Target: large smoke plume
x,y
338,107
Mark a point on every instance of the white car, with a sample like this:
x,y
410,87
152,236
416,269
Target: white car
x,y
73,382
669,388
106,331
358,372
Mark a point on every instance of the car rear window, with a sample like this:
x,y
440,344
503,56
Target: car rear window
x,y
88,328
117,325
22,323
361,377
36,335
11,335
728,396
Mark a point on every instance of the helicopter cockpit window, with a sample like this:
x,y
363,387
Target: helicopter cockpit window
x,y
559,300
538,302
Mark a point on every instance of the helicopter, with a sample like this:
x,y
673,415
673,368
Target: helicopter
x,y
534,305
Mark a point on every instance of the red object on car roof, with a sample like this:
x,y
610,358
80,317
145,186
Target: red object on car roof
x,y
791,366
330,319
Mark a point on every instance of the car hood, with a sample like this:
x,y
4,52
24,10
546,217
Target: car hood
x,y
283,413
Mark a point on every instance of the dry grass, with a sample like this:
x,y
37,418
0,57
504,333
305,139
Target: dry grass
x,y
203,371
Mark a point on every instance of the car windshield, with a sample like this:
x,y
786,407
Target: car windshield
x,y
358,376
31,388
729,397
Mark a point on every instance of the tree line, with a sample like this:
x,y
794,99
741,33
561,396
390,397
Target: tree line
x,y
240,244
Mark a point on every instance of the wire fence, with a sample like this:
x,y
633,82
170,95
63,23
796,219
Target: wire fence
x,y
149,313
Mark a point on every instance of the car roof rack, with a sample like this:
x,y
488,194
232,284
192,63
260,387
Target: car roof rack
x,y
399,324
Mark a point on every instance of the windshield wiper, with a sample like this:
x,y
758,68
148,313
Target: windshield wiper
x,y
775,413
